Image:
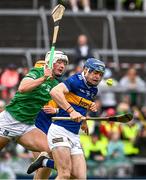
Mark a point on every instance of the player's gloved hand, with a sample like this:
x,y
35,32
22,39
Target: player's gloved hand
x,y
84,127
49,110
93,107
48,72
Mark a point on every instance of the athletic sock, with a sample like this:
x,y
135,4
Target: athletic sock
x,y
44,163
48,163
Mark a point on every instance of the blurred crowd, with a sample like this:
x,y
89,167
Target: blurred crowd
x,y
75,6
89,5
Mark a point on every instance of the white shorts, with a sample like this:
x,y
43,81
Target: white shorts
x,y
11,128
59,136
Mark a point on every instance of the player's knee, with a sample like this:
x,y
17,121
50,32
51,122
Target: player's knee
x,y
3,142
42,147
65,173
81,175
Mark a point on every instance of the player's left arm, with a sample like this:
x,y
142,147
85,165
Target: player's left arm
x,y
84,127
74,99
93,107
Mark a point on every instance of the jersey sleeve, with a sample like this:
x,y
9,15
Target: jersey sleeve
x,y
77,100
70,83
51,103
33,74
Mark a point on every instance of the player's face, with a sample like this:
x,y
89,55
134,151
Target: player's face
x,y
94,77
59,67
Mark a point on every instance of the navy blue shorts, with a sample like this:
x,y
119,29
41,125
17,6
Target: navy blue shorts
x,y
43,121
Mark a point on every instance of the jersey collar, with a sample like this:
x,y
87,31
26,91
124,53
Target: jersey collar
x,y
84,79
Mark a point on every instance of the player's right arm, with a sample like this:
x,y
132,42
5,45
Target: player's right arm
x,y
58,94
31,82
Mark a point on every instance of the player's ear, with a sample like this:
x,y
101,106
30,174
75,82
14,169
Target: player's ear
x,y
85,70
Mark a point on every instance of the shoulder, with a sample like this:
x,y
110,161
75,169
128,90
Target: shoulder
x,y
76,76
72,82
74,79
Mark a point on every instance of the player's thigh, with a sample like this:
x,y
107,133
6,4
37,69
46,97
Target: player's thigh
x,y
34,140
4,129
78,166
3,142
62,158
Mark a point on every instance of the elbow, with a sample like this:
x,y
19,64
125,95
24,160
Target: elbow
x,y
53,92
57,91
21,90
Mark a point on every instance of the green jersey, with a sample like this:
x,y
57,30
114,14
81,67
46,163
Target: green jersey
x,y
24,107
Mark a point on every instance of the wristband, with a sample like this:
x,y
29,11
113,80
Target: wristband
x,y
70,109
57,110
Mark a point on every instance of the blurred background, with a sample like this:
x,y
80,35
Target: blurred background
x,y
111,30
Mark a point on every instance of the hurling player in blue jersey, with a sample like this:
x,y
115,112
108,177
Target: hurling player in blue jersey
x,y
63,135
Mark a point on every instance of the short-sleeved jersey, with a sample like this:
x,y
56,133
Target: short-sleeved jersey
x,y
43,120
24,107
77,85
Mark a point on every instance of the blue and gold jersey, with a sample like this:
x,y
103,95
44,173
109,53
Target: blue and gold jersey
x,y
76,84
43,120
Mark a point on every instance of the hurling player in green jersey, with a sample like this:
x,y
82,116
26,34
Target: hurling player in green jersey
x,y
17,120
